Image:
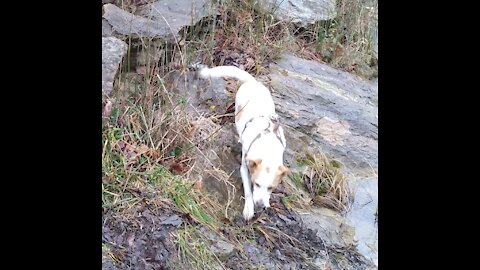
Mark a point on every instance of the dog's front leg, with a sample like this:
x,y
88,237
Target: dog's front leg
x,y
248,209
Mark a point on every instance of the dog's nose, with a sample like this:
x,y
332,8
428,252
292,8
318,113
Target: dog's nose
x,y
259,206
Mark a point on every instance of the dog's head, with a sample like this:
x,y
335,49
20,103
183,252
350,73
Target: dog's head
x,y
265,177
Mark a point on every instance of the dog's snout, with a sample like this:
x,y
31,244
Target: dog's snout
x,y
261,205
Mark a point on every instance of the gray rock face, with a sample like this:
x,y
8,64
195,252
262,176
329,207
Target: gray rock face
x,y
222,249
125,23
335,112
113,51
219,247
330,226
362,215
201,94
157,22
325,107
161,19
176,13
106,29
301,12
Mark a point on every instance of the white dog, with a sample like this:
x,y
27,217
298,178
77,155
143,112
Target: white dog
x,y
261,136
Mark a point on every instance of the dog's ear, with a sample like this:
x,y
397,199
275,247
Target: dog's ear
x,y
283,170
253,163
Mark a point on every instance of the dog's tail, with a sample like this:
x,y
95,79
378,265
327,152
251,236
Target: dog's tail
x,y
226,71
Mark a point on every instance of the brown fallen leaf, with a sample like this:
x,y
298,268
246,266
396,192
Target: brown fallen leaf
x,y
177,168
250,63
225,221
107,109
141,70
130,240
106,180
121,144
142,149
232,86
153,154
198,185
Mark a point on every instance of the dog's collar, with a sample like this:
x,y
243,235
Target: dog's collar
x,y
249,121
273,120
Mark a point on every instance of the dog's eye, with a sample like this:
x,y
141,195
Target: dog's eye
x,y
270,189
257,185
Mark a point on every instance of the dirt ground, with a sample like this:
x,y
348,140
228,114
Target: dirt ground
x,y
145,239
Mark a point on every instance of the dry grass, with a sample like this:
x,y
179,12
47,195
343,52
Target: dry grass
x,y
345,41
150,143
324,181
258,41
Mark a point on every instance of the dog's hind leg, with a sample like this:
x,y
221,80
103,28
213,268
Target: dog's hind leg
x,y
248,209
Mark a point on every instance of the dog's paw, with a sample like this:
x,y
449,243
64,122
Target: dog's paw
x,y
248,210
